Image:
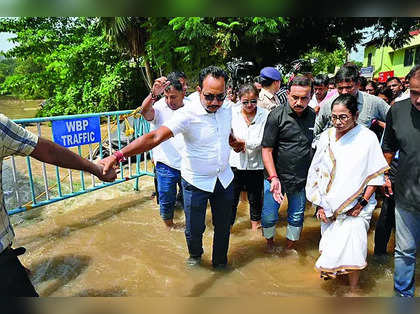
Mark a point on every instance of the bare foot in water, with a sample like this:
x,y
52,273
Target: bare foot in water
x,y
353,293
255,225
169,223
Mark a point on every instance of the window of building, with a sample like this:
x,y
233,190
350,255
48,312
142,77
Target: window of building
x,y
417,58
369,63
408,57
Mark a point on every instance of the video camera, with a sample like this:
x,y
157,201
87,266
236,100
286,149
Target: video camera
x,y
241,72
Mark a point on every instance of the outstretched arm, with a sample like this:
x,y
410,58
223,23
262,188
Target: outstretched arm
x,y
57,155
140,145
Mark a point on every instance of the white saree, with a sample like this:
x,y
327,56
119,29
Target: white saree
x,y
339,173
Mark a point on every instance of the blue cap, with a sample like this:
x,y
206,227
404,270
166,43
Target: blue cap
x,y
270,73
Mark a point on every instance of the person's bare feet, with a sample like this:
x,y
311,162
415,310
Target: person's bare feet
x,y
270,245
255,225
290,245
169,223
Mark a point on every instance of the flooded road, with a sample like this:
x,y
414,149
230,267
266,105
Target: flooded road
x,y
17,108
113,243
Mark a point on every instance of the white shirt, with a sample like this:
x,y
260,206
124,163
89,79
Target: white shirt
x,y
403,96
314,102
205,157
251,159
168,152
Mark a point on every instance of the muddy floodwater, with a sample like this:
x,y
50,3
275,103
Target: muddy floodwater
x,y
112,243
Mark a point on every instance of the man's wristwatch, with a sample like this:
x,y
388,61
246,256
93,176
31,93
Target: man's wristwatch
x,y
271,178
363,202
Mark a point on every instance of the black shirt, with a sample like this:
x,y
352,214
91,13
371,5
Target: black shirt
x,y
402,133
291,137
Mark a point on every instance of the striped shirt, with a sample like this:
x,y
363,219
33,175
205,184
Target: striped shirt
x,y
282,95
14,140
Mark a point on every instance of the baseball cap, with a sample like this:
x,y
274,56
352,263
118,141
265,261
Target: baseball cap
x,y
270,73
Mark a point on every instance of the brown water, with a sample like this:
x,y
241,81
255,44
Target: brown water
x,y
112,242
17,108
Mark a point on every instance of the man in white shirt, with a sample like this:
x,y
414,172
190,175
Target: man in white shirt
x,y
206,175
320,91
166,156
395,84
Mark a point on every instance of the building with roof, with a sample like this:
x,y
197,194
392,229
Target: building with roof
x,y
383,62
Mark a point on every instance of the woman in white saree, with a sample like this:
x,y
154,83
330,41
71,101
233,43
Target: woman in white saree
x,y
347,167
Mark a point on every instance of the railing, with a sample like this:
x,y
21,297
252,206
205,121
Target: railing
x,y
44,191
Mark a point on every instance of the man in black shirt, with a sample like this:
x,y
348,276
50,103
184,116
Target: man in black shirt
x,y
402,133
286,152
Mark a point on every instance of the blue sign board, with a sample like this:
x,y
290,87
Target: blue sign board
x,y
75,132
367,71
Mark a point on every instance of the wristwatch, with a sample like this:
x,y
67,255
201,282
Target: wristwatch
x,y
363,202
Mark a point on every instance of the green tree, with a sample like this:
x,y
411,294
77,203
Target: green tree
x,y
129,34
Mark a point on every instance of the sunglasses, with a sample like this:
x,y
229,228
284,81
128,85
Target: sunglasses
x,y
210,97
252,101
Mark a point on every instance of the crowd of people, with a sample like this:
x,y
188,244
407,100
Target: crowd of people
x,y
315,140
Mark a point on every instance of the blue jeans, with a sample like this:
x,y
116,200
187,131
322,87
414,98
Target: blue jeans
x,y
407,238
295,213
195,206
167,179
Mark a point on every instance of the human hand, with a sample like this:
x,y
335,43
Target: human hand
x,y
238,145
109,176
159,85
320,214
355,211
387,187
275,189
107,165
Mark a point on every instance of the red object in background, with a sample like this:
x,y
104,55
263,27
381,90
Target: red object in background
x,y
383,76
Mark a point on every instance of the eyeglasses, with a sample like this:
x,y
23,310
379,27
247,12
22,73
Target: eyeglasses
x,y
219,97
252,101
342,117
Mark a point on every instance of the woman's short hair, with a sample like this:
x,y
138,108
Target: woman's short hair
x,y
347,100
247,88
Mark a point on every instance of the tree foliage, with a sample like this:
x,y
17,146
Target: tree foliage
x,y
86,64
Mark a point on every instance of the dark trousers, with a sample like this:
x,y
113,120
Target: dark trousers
x,y
14,280
195,205
253,182
384,225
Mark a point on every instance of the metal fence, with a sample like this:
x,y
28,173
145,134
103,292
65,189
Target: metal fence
x,y
46,187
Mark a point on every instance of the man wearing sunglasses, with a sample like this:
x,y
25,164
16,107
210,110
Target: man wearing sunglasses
x,y
206,175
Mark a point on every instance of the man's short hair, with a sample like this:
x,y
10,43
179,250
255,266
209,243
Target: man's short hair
x,y
176,75
176,84
387,92
321,79
363,81
212,70
393,78
347,73
413,72
300,80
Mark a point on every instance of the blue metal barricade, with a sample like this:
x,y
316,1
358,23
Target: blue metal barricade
x,y
44,191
